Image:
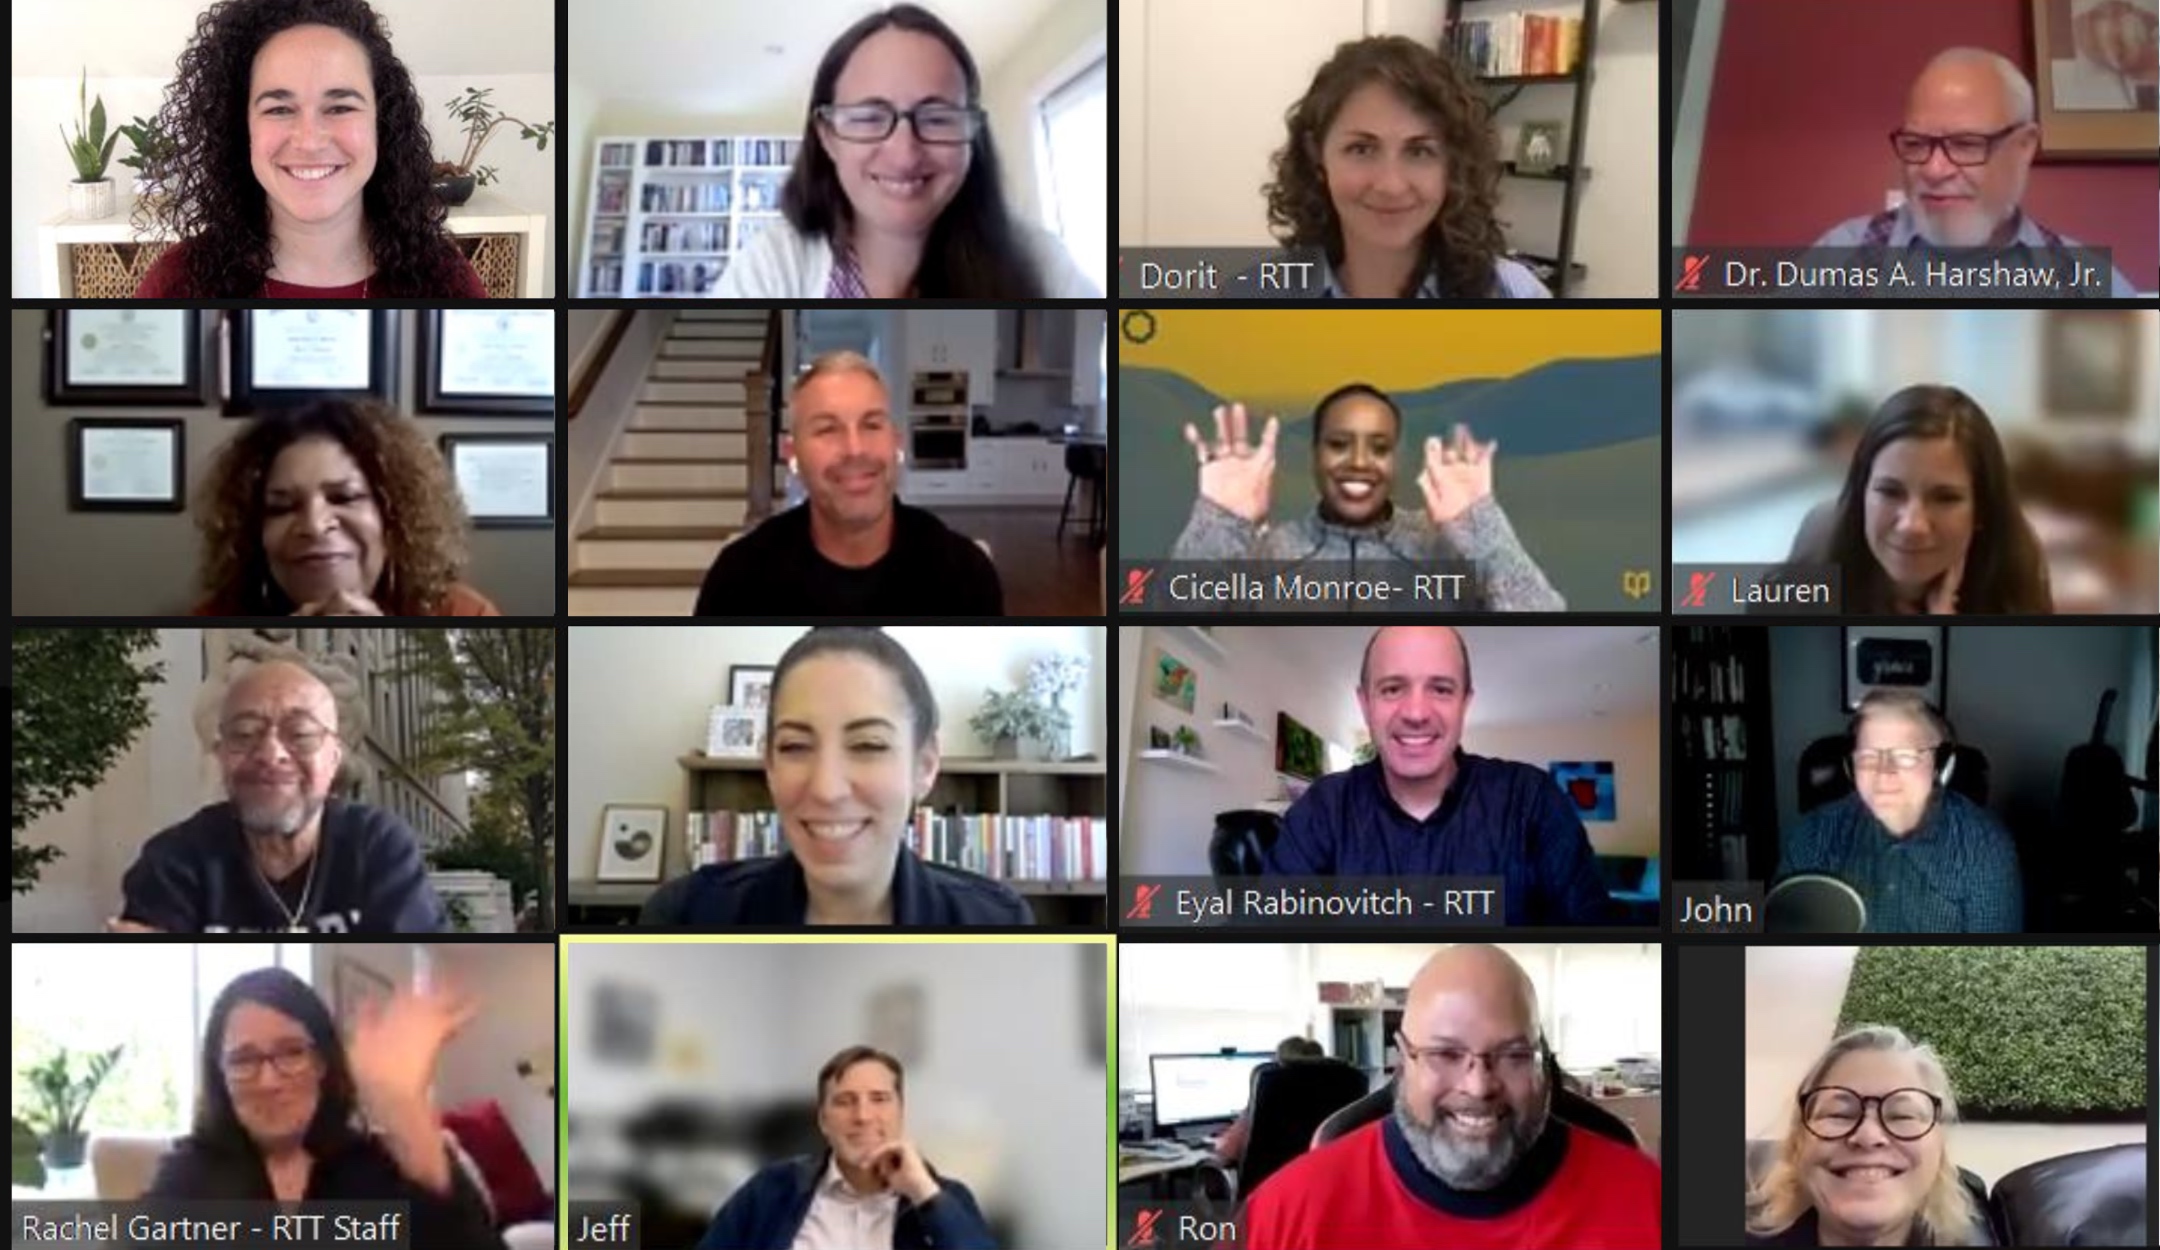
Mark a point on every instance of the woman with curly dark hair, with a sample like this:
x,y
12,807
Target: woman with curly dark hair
x,y
896,193
301,163
339,508
1391,170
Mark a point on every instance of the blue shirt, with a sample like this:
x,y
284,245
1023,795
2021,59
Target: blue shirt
x,y
1498,819
1957,872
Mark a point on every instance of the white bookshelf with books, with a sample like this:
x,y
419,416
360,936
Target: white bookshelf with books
x,y
666,214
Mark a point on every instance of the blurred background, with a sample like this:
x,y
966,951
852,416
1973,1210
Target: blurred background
x,y
1767,405
692,1065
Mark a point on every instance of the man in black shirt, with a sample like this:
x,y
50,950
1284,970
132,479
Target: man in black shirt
x,y
853,549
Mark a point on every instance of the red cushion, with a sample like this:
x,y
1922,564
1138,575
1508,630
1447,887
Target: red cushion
x,y
513,1185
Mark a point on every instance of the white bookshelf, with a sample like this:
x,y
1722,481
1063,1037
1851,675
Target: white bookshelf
x,y
666,213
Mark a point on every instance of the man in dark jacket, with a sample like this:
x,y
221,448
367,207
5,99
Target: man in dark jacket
x,y
280,854
869,1190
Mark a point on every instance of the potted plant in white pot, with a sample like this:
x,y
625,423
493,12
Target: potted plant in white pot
x,y
154,151
1019,726
455,180
91,194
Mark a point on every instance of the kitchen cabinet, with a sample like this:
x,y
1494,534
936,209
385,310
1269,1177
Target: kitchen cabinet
x,y
956,340
1017,470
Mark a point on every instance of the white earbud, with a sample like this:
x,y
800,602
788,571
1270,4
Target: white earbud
x,y
793,469
902,456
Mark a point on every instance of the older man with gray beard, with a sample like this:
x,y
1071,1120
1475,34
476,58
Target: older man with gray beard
x,y
281,854
1472,1156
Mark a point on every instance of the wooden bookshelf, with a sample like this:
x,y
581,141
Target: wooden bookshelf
x,y
667,213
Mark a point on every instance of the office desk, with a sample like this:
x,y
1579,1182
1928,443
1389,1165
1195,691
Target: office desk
x,y
1164,1172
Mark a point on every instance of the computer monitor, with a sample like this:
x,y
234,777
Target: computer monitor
x,y
1198,1089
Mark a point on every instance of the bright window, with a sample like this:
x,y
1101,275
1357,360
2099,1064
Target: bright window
x,y
1075,132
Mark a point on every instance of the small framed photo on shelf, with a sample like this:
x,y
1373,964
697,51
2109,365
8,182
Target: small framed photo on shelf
x,y
285,357
126,464
1539,147
120,356
506,480
1894,657
735,733
750,686
498,361
632,843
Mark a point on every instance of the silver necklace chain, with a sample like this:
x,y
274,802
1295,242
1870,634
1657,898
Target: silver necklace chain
x,y
292,918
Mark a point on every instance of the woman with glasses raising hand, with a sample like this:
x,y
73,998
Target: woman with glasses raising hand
x,y
896,193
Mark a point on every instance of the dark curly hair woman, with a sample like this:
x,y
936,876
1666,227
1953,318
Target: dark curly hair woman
x,y
339,508
301,163
1390,170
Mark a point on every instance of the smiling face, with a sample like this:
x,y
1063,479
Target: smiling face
x,y
1470,1122
899,185
322,528
271,717
1354,459
1919,511
273,1107
1387,175
1896,797
311,124
1870,1184
862,1111
846,447
1415,698
844,771
1964,206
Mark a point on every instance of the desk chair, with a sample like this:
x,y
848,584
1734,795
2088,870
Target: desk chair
x,y
1239,846
1288,1102
1568,1107
1085,463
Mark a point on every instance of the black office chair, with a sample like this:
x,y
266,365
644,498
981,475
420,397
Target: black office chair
x,y
1823,777
1089,463
1239,846
1568,1107
1288,1102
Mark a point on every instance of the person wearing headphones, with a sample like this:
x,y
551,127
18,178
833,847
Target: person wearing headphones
x,y
853,549
1922,857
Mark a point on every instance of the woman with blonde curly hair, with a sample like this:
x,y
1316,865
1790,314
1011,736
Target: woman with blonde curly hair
x,y
1866,1158
1390,171
338,508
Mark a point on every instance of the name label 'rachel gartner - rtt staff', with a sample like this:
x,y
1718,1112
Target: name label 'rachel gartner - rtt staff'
x,y
1341,902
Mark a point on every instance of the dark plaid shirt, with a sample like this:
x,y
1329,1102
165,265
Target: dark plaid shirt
x,y
1956,873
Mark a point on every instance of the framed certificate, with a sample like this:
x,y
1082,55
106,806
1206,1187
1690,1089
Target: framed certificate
x,y
507,480
126,464
282,357
488,360
124,356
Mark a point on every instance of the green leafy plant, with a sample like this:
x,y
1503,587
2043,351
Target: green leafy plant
x,y
81,697
91,148
154,149
1017,715
25,1167
59,1099
482,118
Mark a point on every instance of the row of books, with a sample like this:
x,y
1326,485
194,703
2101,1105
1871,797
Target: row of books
x,y
1520,44
706,153
1714,737
684,197
1008,848
1702,677
685,236
679,277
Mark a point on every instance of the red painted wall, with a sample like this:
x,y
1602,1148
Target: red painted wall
x,y
1805,93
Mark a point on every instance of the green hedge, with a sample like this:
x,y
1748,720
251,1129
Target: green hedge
x,y
2027,1032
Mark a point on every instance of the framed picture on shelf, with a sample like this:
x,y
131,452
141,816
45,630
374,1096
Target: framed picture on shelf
x,y
506,480
141,356
1895,657
1538,147
750,686
126,464
285,357
632,840
492,361
735,733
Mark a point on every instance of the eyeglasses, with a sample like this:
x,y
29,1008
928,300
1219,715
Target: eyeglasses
x,y
1893,760
287,1058
1835,1113
1451,1063
1964,150
302,735
874,122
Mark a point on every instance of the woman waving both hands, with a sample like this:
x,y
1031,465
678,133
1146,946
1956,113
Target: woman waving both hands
x,y
1356,432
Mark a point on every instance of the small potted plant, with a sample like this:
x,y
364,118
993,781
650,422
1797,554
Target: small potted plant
x,y
154,150
91,194
59,1100
1019,726
455,180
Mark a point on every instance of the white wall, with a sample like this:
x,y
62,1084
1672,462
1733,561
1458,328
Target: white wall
x,y
640,696
1632,743
514,989
1060,44
577,135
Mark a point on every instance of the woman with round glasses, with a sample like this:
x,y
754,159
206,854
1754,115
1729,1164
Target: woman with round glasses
x,y
1865,1160
287,1112
897,191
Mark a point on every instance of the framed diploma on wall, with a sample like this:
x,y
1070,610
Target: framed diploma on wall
x,y
506,480
149,356
484,360
285,357
126,464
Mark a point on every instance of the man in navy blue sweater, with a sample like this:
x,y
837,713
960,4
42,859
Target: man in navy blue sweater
x,y
871,1189
1425,807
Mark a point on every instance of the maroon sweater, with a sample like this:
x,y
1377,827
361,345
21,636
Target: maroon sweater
x,y
168,279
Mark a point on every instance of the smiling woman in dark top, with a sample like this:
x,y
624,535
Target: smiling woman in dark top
x,y
278,1115
850,750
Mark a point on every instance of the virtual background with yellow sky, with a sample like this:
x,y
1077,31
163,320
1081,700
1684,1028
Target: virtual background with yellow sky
x,y
1574,397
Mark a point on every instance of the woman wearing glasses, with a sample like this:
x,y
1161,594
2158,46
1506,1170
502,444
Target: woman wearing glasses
x,y
1865,1160
281,1100
897,192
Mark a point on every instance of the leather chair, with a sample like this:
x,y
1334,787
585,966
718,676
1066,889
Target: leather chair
x,y
1568,1107
1239,845
1822,777
2090,1198
1288,1103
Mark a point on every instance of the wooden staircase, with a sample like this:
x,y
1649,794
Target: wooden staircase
x,y
679,484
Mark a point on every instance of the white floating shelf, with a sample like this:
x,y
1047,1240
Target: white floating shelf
x,y
1241,729
1179,759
